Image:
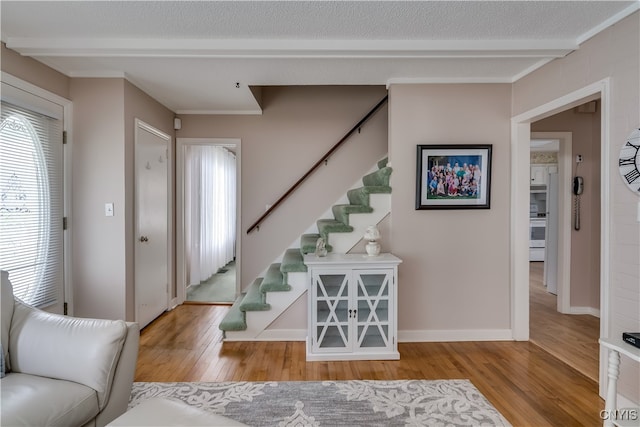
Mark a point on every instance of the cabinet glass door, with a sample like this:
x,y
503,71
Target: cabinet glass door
x,y
374,312
331,295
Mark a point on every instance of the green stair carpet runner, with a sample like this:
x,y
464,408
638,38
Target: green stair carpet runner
x,y
292,261
234,320
326,226
379,178
341,212
308,243
255,300
276,276
274,280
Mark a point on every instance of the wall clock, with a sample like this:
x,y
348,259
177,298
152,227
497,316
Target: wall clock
x,y
629,162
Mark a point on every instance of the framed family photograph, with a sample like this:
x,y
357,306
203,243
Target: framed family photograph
x,y
453,177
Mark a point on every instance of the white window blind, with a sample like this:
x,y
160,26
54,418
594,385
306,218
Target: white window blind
x,y
31,204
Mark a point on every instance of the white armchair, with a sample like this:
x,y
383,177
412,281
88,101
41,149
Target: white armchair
x,y
63,371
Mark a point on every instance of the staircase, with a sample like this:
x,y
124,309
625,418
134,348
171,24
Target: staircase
x,y
285,280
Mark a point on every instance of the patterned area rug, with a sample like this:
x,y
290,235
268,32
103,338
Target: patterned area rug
x,y
334,403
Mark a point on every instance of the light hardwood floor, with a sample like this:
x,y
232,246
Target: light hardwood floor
x,y
528,385
571,338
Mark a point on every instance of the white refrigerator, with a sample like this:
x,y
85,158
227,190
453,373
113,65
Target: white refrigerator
x,y
551,236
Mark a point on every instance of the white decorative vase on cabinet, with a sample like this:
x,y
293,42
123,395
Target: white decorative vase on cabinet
x,y
372,235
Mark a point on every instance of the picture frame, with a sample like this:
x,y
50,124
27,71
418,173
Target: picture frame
x,y
453,176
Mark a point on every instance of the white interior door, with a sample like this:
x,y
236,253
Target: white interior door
x,y
151,246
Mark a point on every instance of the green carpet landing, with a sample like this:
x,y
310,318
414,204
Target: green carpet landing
x,y
275,279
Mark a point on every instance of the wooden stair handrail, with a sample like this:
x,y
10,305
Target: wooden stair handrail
x,y
317,164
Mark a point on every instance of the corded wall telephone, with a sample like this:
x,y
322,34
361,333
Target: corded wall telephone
x,y
578,185
578,188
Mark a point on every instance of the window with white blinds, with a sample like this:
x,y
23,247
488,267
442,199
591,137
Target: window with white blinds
x,y
31,204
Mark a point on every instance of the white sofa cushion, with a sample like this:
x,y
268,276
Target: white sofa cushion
x,y
29,400
55,346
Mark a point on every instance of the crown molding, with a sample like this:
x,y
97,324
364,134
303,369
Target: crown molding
x,y
609,22
531,69
445,80
107,47
98,74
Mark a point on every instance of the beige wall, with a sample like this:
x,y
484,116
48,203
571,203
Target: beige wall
x,y
455,270
34,72
103,171
298,125
585,243
98,170
139,105
613,54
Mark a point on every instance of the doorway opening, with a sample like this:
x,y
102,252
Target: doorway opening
x,y
208,172
549,212
561,298
596,303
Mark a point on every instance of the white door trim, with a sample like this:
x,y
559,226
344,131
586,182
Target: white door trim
x,y
564,215
520,137
181,275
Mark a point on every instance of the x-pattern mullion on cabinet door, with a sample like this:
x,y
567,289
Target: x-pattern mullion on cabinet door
x,y
332,304
372,301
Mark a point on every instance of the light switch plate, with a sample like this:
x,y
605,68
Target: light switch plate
x,y
108,209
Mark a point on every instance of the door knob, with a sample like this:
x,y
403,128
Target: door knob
x,y
144,239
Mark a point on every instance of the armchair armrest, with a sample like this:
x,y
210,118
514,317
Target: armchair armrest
x,y
85,351
118,398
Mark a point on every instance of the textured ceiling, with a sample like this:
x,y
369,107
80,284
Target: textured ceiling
x,y
189,55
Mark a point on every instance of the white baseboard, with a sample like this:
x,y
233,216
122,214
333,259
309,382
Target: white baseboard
x,y
282,335
585,310
456,335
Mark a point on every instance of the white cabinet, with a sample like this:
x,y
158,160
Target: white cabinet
x,y
539,173
352,307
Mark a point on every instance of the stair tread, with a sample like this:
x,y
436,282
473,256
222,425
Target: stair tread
x,y
292,261
308,243
374,189
378,178
382,163
234,320
353,208
255,299
274,280
342,212
332,226
326,226
360,195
